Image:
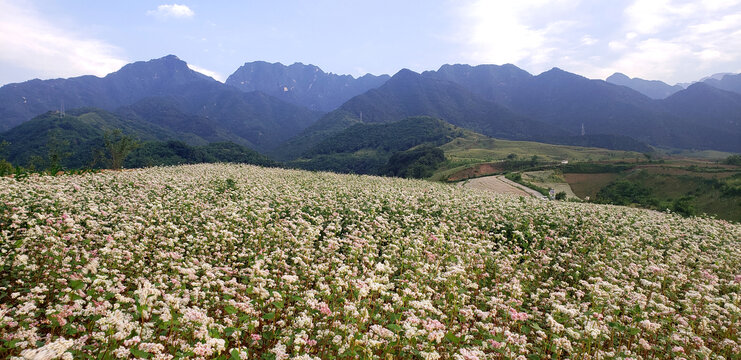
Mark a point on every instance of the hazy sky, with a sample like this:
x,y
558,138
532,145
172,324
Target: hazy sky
x,y
669,40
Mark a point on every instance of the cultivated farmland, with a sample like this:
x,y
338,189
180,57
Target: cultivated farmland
x,y
228,261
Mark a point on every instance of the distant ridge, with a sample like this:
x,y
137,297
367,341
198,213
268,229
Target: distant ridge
x,y
654,89
504,101
729,82
305,85
258,119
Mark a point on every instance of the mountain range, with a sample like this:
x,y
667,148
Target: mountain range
x,y
154,88
555,107
654,89
285,111
305,85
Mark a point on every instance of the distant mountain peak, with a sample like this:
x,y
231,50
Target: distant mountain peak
x,y
405,73
558,72
169,57
728,82
654,89
301,84
169,63
717,76
618,76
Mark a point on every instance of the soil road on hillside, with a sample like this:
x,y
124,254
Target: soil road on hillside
x,y
499,184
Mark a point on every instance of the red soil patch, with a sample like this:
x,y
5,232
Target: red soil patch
x,y
477,171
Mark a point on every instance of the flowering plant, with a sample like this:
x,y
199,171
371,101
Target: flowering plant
x,y
242,262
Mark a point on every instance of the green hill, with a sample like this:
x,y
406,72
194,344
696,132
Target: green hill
x,y
177,153
77,141
367,148
77,133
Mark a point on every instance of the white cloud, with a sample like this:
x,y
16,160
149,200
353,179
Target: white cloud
x,y
503,32
213,74
588,40
34,44
669,40
496,34
172,11
678,41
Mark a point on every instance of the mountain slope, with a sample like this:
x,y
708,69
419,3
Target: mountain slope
x,y
165,112
305,85
390,137
367,148
715,107
568,101
728,82
652,88
21,102
410,94
609,114
78,133
328,125
252,119
491,82
79,137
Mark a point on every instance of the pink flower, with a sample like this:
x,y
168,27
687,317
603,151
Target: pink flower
x,y
203,349
518,316
256,337
324,308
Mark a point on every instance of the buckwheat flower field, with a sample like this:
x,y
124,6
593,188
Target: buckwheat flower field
x,y
242,262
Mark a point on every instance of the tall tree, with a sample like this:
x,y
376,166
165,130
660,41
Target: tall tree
x,y
58,150
119,146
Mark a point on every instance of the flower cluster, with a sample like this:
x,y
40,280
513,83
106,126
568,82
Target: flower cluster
x,y
242,262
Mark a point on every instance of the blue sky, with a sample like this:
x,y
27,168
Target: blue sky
x,y
669,40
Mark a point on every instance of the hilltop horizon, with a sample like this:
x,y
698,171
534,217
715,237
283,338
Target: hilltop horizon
x,y
714,76
671,41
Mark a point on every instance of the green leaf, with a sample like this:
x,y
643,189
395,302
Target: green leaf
x,y
229,331
269,316
452,338
140,354
235,355
76,284
230,309
616,325
394,328
279,304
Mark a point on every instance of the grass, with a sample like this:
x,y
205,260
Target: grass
x,y
585,185
475,149
697,154
669,183
487,149
549,179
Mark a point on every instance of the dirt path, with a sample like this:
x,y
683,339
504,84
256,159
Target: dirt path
x,y
499,184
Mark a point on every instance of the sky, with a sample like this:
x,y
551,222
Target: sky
x,y
669,40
